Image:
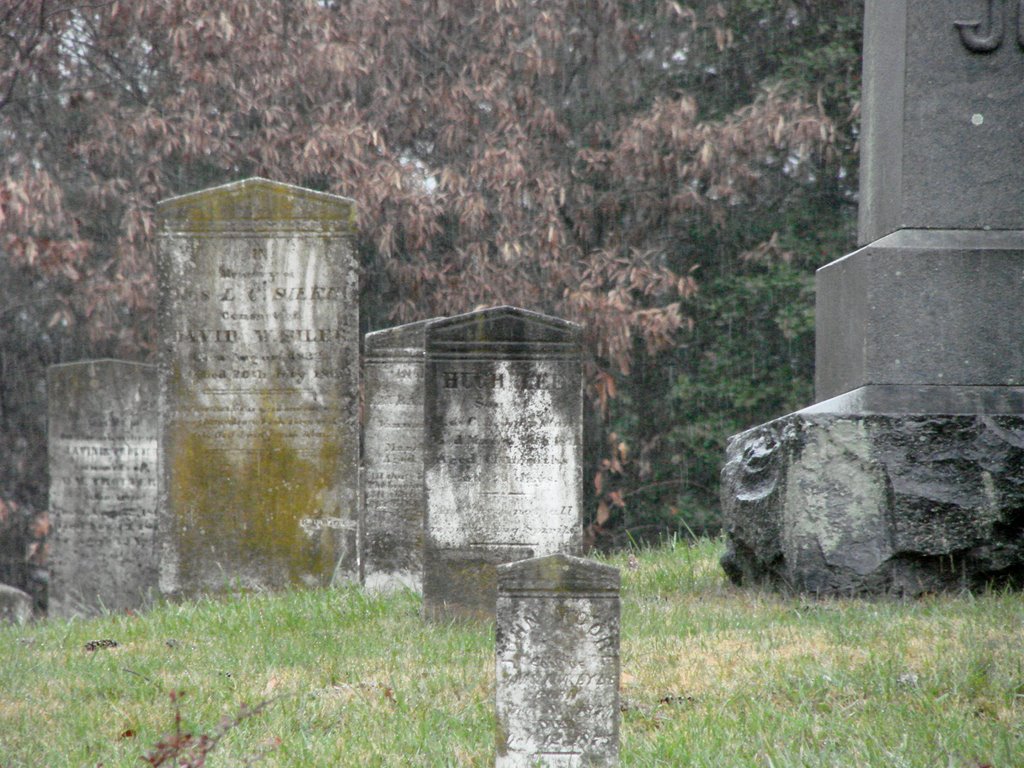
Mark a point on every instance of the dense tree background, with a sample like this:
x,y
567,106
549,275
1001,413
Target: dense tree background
x,y
667,173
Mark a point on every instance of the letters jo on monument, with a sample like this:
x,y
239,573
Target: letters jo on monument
x,y
985,36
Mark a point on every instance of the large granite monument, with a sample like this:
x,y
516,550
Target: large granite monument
x,y
557,663
259,388
104,470
907,475
503,414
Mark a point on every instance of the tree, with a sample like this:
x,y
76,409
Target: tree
x,y
586,158
751,354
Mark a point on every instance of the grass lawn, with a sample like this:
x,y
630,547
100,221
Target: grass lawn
x,y
712,676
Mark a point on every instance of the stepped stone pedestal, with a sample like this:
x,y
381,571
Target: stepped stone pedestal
x,y
907,475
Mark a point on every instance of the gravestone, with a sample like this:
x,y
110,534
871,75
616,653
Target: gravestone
x,y
557,674
907,475
394,497
259,388
503,409
104,473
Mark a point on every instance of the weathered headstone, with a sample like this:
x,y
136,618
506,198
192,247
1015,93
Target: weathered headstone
x,y
104,472
394,497
908,473
503,411
259,386
557,675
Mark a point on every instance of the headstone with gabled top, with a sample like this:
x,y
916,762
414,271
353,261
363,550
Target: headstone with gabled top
x,y
557,663
259,359
503,403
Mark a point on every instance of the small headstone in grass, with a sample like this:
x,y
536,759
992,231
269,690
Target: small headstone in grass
x,y
557,672
503,404
104,474
260,387
393,493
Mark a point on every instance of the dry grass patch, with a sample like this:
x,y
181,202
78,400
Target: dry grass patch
x,y
713,677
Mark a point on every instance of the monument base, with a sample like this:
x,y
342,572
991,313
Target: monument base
x,y
834,502
931,309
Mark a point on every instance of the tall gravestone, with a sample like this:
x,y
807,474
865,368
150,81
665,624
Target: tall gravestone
x,y
907,475
503,404
394,497
104,468
259,387
557,672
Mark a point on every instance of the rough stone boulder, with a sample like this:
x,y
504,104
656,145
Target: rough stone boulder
x,y
15,605
840,504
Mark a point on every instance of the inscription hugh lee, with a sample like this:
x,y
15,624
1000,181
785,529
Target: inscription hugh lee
x,y
505,445
503,476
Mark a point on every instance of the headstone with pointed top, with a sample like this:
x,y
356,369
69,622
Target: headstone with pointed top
x,y
259,360
503,404
557,663
104,471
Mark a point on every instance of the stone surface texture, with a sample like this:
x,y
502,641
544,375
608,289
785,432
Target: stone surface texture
x,y
15,605
394,498
104,474
503,466
942,128
839,504
259,387
557,663
939,308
